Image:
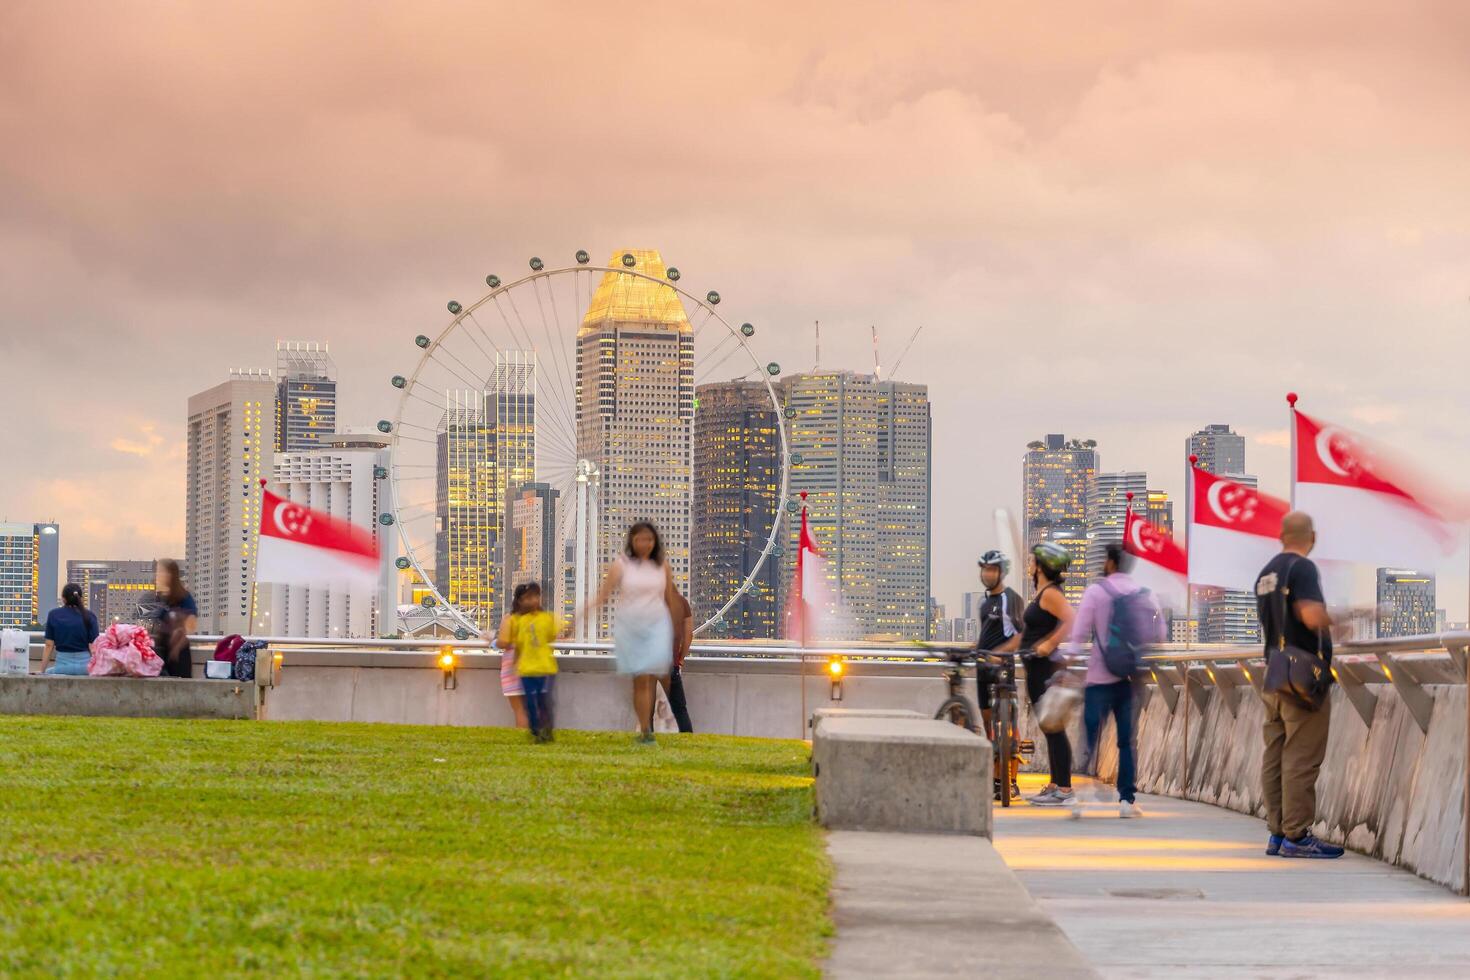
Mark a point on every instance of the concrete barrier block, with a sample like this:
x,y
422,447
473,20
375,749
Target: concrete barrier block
x,y
125,697
906,774
824,714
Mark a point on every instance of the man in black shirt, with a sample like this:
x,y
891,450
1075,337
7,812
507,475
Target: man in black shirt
x,y
1000,629
1296,736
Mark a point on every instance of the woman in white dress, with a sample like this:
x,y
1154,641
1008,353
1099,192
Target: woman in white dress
x,y
643,627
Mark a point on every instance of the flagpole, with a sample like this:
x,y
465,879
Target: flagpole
x,y
1291,410
255,567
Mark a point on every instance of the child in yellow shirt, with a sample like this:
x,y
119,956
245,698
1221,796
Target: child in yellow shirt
x,y
529,631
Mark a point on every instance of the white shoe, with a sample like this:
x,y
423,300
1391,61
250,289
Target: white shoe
x,y
1129,811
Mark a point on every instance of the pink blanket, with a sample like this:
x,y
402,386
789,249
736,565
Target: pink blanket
x,y
124,649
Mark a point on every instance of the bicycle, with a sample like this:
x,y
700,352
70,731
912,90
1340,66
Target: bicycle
x,y
960,710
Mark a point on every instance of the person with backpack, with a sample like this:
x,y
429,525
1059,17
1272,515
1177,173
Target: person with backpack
x,y
1045,623
1116,621
70,630
1294,625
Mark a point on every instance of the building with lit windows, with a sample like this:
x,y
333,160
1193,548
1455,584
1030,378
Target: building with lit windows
x,y
635,406
1057,477
1107,512
1071,535
1406,602
1159,511
531,543
231,443
1225,615
29,566
306,395
1219,448
345,475
860,448
465,499
510,407
737,476
114,590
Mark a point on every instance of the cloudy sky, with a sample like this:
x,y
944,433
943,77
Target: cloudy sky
x,y
1115,220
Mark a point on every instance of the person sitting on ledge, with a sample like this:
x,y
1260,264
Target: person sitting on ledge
x,y
70,630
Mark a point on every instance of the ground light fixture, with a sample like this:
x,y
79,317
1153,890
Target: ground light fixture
x,y
836,669
447,663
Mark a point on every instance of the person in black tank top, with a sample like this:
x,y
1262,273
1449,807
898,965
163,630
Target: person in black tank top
x,y
1045,623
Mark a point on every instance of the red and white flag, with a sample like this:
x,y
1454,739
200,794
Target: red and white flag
x,y
301,546
810,610
1234,530
1364,510
1160,563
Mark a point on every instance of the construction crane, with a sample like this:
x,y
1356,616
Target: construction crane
x,y
913,337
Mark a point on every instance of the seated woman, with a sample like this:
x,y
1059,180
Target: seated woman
x,y
70,630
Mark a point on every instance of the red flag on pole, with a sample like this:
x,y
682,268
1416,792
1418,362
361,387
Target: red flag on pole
x,y
1234,530
808,585
1160,563
301,546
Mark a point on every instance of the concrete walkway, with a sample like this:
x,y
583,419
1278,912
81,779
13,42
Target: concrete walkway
x,y
1187,891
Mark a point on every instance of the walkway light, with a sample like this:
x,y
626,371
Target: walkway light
x,y
836,669
447,665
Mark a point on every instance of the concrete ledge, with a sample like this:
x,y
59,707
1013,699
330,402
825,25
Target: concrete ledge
x,y
126,697
824,714
905,774
916,905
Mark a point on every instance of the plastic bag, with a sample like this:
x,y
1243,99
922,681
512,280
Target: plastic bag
x,y
125,650
15,652
1059,704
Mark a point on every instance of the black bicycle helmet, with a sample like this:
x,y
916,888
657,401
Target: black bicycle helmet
x,y
996,558
1052,557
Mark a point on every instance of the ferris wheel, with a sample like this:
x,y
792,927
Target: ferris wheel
x,y
554,406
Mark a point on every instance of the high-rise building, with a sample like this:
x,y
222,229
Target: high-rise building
x,y
1072,535
306,395
1107,513
1406,602
531,541
345,475
1160,511
114,590
465,498
737,486
29,567
510,406
1225,616
231,442
937,620
635,407
861,450
1220,450
1057,478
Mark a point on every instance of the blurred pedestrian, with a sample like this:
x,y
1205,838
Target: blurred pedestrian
x,y
1045,624
70,630
529,631
643,631
175,617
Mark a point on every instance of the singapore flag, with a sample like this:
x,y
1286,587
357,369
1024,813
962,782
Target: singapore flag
x,y
1362,510
1234,530
1160,564
300,546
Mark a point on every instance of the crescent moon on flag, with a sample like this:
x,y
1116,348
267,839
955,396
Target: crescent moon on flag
x,y
1213,499
1138,536
1325,454
279,516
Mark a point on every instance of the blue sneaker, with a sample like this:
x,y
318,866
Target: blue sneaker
x,y
1273,845
1309,847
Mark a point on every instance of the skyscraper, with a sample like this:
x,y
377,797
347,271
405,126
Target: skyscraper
x,y
1057,478
306,395
1159,512
29,567
345,475
1107,511
1406,602
1071,535
861,449
232,435
737,476
635,406
114,589
531,541
1219,449
1225,616
465,499
510,405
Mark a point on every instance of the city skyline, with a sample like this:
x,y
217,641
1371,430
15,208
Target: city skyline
x,y
1073,195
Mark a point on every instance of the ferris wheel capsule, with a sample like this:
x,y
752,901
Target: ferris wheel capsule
x,y
773,369
422,341
399,381
628,260
712,297
492,281
673,273
582,257
790,412
536,264
797,459
402,563
455,308
380,472
384,425
385,519
747,329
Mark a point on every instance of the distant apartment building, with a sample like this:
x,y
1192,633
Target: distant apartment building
x,y
1057,478
29,568
1107,511
306,395
1159,511
531,544
115,590
1225,616
1406,602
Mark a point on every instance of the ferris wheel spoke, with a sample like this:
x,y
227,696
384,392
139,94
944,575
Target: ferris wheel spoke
x,y
709,371
473,385
525,344
484,333
559,399
699,327
552,336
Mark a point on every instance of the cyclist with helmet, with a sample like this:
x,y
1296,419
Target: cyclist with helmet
x,y
1046,623
1000,630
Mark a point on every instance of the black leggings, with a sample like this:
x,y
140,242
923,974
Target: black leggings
x,y
1058,746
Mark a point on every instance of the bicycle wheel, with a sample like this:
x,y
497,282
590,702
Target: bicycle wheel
x,y
1004,747
957,711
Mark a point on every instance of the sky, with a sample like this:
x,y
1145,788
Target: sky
x,y
1120,221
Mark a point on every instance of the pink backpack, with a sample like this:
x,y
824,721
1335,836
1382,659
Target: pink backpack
x,y
226,648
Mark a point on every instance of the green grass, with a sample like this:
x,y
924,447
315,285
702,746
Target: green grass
x,y
189,848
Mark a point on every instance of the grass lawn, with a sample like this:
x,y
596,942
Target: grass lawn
x,y
199,848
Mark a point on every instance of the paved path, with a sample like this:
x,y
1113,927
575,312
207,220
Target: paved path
x,y
1188,891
